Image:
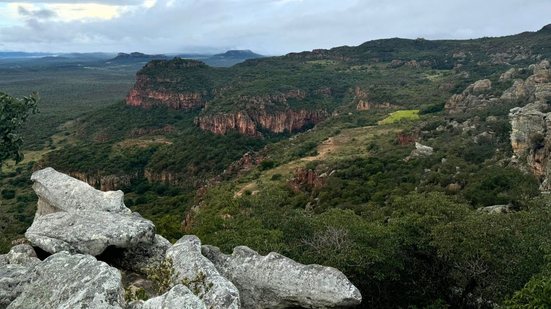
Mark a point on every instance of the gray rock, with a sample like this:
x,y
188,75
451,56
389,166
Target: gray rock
x,y
89,232
60,192
201,274
22,254
72,281
144,255
13,279
475,96
274,281
496,209
178,297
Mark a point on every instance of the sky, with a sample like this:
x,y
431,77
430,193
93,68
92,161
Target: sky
x,y
269,27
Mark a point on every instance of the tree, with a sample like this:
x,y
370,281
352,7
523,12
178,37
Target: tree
x,y
13,113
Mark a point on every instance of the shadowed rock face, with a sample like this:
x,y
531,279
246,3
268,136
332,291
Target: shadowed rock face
x,y
191,265
72,281
275,281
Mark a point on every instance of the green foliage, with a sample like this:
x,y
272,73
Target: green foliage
x,y
535,294
403,115
131,294
13,114
162,274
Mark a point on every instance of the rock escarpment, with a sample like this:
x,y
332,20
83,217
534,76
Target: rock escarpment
x,y
252,123
531,124
72,230
152,90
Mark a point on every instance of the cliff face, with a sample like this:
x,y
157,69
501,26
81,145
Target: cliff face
x,y
531,124
249,123
143,95
105,182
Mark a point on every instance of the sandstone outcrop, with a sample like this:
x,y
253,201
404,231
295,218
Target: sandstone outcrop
x,y
59,192
191,266
72,281
274,281
253,122
476,96
73,216
531,124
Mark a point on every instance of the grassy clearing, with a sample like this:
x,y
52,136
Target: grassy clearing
x,y
407,115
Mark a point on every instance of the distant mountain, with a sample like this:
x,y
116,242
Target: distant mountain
x,y
136,57
231,57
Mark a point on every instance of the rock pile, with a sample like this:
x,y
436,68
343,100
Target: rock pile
x,y
79,226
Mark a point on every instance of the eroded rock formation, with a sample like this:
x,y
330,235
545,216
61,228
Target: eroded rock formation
x,y
274,281
476,96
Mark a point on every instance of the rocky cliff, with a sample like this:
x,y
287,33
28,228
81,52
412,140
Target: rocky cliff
x,y
82,233
252,123
531,124
142,95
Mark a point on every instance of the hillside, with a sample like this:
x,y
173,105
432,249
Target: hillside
x,y
415,167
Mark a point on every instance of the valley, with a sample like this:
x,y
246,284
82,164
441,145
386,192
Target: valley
x,y
383,160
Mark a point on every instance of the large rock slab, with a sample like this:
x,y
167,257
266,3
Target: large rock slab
x,y
275,281
72,281
60,192
201,275
178,297
89,232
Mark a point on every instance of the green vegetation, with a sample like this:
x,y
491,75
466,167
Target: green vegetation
x,y
403,115
13,114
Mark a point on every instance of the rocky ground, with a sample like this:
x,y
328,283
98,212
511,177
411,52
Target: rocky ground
x,y
86,249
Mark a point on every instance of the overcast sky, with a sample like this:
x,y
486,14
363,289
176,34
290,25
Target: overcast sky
x,y
269,27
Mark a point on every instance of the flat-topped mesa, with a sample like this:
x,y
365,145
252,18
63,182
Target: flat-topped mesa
x,y
153,88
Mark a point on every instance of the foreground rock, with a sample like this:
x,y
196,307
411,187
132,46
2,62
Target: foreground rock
x,y
274,281
178,297
72,281
201,274
89,232
59,192
13,278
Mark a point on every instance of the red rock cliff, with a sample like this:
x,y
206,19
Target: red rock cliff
x,y
249,123
142,95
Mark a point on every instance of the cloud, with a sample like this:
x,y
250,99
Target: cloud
x,y
40,14
266,26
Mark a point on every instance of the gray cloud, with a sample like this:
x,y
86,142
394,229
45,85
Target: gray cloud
x,y
40,14
109,2
277,26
